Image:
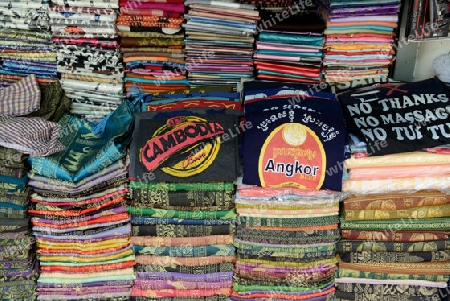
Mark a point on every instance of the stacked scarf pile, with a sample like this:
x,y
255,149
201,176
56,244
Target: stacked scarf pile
x,y
290,43
152,45
17,256
78,211
219,42
287,203
29,114
396,216
25,42
182,196
359,38
285,243
88,56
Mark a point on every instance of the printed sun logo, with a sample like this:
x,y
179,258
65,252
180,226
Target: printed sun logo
x,y
183,147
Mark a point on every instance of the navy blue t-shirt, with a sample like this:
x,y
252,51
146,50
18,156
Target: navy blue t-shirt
x,y
299,145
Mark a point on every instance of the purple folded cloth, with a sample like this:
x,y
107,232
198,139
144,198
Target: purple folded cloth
x,y
381,18
14,235
381,9
319,268
111,233
189,285
85,297
50,231
81,188
212,277
23,273
82,240
111,283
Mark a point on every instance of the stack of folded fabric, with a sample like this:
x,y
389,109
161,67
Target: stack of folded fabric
x,y
359,39
78,211
396,216
88,56
219,42
26,42
17,260
17,257
28,115
182,189
290,43
208,99
286,244
288,202
152,43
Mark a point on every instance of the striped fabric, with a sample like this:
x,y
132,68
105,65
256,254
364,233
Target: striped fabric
x,y
21,98
33,136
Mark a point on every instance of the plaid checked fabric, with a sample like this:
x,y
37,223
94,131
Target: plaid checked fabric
x,y
21,98
33,136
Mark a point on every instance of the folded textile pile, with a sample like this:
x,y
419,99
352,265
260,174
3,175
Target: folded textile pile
x,y
29,113
285,243
219,42
288,202
182,202
152,43
25,42
79,214
359,38
17,260
290,43
396,216
88,56
17,255
203,99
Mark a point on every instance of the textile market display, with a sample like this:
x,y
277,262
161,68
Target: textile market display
x,y
395,217
88,56
359,39
26,47
290,43
219,42
182,196
287,213
152,45
79,211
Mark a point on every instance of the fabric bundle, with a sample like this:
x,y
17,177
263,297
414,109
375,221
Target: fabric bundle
x,y
359,39
204,99
396,214
182,197
290,43
285,243
29,113
79,214
288,202
219,42
17,255
88,56
152,45
25,42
